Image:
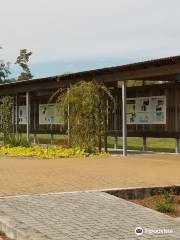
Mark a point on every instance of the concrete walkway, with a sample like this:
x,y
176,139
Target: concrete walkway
x,y
81,216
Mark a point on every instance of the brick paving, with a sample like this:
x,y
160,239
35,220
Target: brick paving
x,y
81,216
27,175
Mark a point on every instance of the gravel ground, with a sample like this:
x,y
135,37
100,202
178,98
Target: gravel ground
x,y
28,175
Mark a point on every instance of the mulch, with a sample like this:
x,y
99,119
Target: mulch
x,y
150,202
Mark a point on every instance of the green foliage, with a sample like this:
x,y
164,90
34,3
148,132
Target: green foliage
x,y
164,206
88,113
22,61
15,140
168,195
6,109
4,70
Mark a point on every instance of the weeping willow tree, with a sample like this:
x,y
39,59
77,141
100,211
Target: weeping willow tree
x,y
6,113
87,118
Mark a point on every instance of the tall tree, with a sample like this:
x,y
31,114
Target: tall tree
x,y
4,70
22,61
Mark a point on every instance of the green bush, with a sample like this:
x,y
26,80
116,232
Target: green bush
x,y
87,103
164,206
15,140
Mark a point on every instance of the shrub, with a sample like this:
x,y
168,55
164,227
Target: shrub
x,y
6,110
164,206
15,140
87,103
168,195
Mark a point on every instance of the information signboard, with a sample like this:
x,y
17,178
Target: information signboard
x,y
50,114
146,110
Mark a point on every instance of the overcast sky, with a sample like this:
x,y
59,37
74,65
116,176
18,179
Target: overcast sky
x,y
72,35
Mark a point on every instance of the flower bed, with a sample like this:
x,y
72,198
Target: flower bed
x,y
45,152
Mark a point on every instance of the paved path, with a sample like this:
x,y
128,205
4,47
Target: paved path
x,y
81,216
24,176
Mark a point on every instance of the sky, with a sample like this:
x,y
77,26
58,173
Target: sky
x,y
75,35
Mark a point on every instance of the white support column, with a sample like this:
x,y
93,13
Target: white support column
x,y
176,120
124,119
177,145
115,125
27,116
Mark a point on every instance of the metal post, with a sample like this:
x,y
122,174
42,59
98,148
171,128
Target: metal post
x,y
144,144
52,138
69,137
176,120
115,124
124,119
27,116
177,145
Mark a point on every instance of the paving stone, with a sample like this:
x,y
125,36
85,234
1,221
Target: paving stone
x,y
80,216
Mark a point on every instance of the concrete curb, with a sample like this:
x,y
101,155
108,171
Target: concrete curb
x,y
93,190
14,230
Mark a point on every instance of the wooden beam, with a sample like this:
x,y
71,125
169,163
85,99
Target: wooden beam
x,y
106,77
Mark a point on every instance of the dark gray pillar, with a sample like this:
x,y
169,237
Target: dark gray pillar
x,y
124,119
17,114
52,138
144,144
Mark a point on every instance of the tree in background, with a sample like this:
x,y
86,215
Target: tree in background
x,y
87,117
4,71
22,61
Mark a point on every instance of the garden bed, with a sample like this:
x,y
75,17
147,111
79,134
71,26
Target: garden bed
x,y
151,202
164,199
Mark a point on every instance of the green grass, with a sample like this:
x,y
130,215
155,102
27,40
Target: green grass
x,y
153,144
134,143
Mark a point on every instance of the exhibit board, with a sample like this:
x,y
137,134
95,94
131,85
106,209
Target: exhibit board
x,y
22,114
50,114
146,110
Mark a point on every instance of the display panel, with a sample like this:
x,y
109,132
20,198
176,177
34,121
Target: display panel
x,y
22,115
146,110
50,114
